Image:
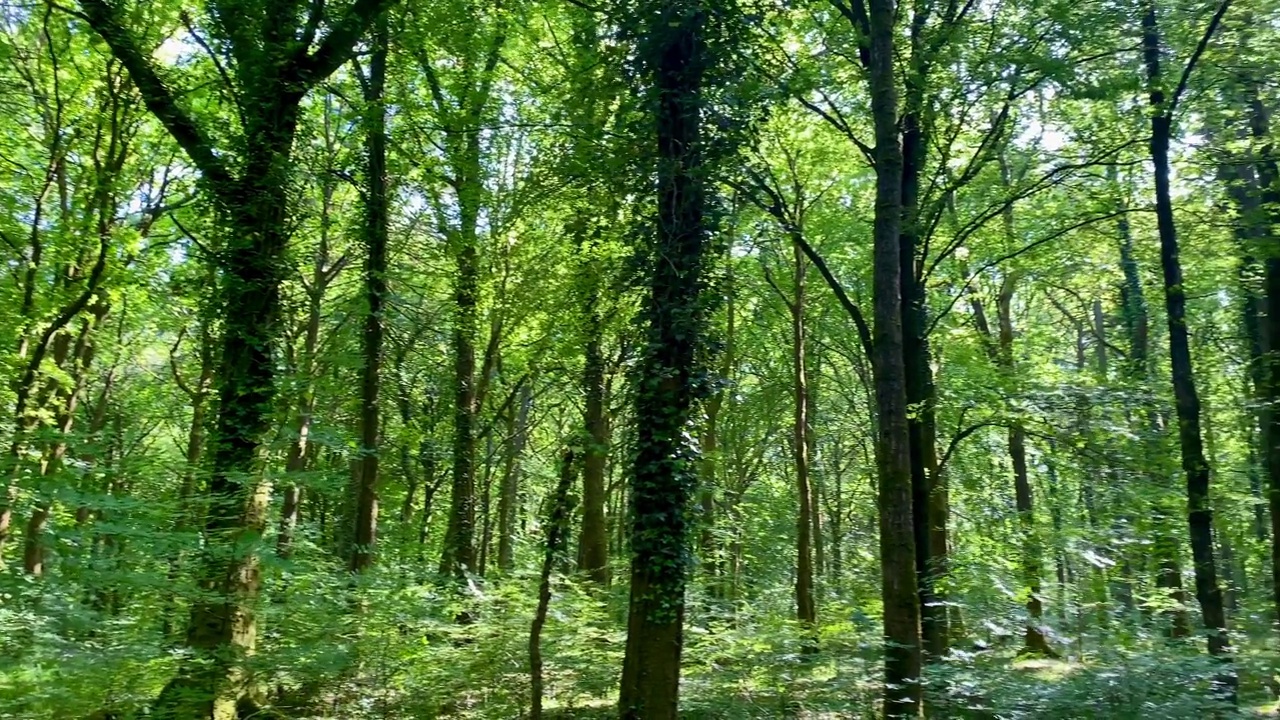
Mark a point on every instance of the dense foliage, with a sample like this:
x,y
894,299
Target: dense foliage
x,y
676,358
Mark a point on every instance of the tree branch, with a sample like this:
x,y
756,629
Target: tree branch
x,y
1195,56
338,46
159,99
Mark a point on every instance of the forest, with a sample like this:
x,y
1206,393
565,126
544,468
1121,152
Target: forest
x,y
705,359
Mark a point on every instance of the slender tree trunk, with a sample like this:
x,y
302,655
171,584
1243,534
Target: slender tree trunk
x,y
709,546
663,479
510,492
1032,551
1186,400
323,273
815,478
557,540
930,528
893,450
187,517
805,610
1139,370
593,543
75,361
1035,642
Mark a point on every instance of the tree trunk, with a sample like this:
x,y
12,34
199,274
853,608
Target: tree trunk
x,y
1267,366
811,437
323,273
508,500
222,627
557,539
1139,370
1186,400
593,543
893,449
805,610
1034,642
663,479
459,553
710,549
375,287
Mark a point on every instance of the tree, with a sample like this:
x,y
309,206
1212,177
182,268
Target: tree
x,y
375,281
1187,401
675,58
269,46
893,463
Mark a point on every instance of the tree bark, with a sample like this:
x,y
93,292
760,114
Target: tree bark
x,y
893,449
1186,399
805,610
1034,638
465,156
375,287
250,188
323,273
664,479
557,539
593,543
508,501
1264,218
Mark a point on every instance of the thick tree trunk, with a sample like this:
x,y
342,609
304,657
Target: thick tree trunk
x,y
250,186
375,287
664,475
893,450
222,627
459,553
1186,400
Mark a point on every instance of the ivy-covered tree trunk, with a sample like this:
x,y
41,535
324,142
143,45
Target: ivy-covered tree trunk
x,y
664,477
1186,399
898,559
251,189
459,554
222,626
462,117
